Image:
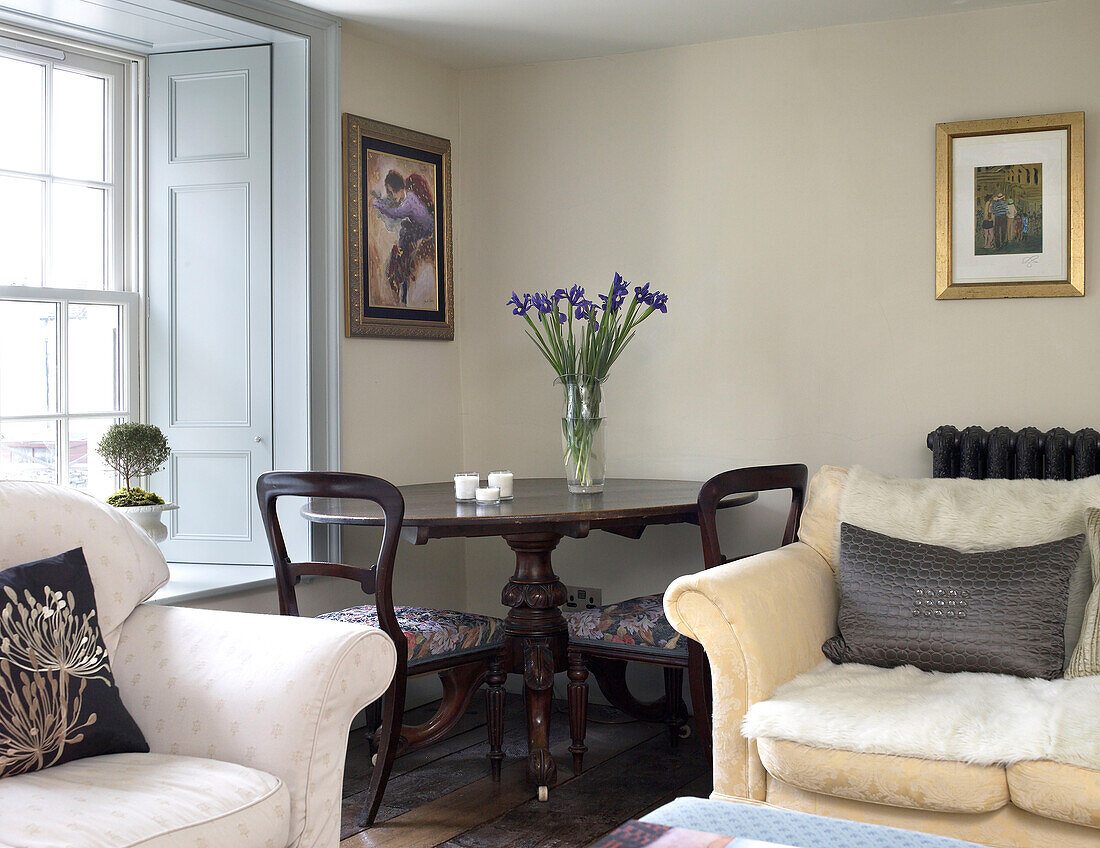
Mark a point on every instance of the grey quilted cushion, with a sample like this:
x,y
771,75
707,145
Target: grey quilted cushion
x,y
907,603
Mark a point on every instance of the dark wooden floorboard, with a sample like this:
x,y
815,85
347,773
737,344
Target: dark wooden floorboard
x,y
427,774
636,771
470,730
598,801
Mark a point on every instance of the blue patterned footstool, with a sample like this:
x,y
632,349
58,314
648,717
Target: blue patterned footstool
x,y
788,827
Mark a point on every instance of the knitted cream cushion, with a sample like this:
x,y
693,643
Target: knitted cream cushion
x,y
1086,657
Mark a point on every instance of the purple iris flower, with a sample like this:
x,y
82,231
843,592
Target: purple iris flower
x,y
521,307
660,302
576,296
561,294
584,309
619,290
642,295
543,303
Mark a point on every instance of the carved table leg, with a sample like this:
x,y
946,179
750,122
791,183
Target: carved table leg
x,y
538,639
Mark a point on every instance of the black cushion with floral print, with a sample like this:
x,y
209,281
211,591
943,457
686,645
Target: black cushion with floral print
x,y
58,699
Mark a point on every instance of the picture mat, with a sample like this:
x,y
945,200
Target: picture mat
x,y
1049,147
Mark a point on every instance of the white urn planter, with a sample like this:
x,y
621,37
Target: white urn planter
x,y
150,518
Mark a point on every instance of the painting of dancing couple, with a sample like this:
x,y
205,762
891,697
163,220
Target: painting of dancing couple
x,y
1009,209
398,242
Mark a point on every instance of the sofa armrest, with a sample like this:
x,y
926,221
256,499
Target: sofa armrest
x,y
762,621
271,692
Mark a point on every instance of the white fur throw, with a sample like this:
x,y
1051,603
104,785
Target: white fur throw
x,y
976,515
987,719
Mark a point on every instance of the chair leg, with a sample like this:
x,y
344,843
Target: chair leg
x,y
578,708
494,710
460,684
674,688
392,709
699,684
373,720
611,677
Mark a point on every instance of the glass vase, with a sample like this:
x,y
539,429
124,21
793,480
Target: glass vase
x,y
582,432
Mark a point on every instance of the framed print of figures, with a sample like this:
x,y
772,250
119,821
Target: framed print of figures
x,y
397,232
1010,207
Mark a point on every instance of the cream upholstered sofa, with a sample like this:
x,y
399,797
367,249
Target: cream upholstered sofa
x,y
762,621
246,716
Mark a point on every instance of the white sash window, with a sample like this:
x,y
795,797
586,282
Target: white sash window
x,y
69,310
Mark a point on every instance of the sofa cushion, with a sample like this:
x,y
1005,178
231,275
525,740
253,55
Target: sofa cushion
x,y
818,526
1085,660
638,622
127,567
151,800
988,719
58,699
930,606
977,515
1056,791
885,779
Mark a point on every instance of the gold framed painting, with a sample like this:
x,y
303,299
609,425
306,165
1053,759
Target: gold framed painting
x,y
398,277
1010,207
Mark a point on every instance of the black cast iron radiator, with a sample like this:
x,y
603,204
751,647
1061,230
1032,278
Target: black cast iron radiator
x,y
1007,454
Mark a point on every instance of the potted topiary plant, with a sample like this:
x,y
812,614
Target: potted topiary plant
x,y
137,450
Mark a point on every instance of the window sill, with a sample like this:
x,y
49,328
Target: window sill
x,y
195,581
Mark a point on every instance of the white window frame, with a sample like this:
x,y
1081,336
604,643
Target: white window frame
x,y
124,257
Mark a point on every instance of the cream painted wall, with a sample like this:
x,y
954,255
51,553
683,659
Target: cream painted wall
x,y
401,398
781,189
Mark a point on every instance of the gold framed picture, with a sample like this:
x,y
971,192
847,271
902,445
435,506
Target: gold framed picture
x,y
1010,207
398,277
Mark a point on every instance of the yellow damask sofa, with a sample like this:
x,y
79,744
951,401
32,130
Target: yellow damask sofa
x,y
762,621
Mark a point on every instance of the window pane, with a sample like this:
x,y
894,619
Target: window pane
x,y
20,231
95,355
87,470
77,245
28,357
22,99
79,113
28,451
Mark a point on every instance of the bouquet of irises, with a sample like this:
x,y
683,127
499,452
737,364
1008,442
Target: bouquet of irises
x,y
581,340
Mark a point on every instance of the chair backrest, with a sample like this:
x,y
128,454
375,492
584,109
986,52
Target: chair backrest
x,y
762,478
376,580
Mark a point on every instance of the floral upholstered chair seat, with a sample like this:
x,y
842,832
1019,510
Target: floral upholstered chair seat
x,y
431,633
639,621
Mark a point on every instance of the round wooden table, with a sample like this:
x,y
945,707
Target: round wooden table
x,y
541,513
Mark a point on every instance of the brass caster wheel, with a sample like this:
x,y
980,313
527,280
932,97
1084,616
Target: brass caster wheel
x,y
684,731
544,793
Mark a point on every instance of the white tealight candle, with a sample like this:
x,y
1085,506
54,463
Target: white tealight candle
x,y
488,495
503,480
466,483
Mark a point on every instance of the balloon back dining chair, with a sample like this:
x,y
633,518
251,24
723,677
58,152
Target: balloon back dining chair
x,y
603,640
464,649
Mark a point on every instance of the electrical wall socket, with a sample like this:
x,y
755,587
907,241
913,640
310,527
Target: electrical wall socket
x,y
583,597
